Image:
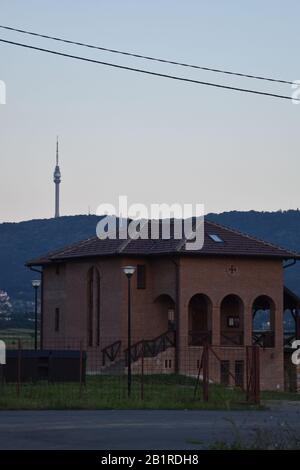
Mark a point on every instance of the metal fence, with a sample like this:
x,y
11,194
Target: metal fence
x,y
69,373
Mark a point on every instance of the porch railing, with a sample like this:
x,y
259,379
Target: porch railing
x,y
288,339
265,339
230,338
200,337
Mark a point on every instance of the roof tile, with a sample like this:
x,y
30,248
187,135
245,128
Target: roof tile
x,y
233,243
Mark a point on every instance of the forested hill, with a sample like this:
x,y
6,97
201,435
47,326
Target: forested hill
x,y
22,241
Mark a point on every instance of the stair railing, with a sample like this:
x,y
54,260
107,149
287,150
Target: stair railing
x,y
151,347
111,352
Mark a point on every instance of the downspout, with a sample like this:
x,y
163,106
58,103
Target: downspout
x,y
42,303
177,314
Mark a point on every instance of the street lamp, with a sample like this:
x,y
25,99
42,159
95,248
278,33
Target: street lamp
x,y
129,271
35,284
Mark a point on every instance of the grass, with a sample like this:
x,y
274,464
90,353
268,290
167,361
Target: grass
x,y
110,392
285,396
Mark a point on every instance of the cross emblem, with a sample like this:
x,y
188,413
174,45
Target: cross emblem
x,y
232,269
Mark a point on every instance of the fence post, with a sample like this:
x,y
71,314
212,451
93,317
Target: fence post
x,y
247,375
205,372
80,368
256,375
19,368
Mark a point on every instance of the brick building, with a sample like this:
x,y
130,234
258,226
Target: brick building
x,y
180,300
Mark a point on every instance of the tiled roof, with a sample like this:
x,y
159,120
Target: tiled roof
x,y
233,243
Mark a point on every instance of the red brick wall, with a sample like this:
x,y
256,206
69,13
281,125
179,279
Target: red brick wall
x,y
253,277
203,275
68,292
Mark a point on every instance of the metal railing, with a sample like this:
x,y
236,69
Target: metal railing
x,y
288,339
265,339
151,348
111,352
200,337
229,338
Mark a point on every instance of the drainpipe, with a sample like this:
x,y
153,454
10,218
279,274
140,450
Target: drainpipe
x,y
42,303
177,314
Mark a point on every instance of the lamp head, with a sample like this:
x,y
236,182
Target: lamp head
x,y
128,270
36,283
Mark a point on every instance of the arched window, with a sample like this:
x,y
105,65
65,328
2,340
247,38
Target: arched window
x,y
163,314
263,323
200,313
232,321
93,306
291,318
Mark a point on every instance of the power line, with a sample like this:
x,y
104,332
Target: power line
x,y
139,56
148,72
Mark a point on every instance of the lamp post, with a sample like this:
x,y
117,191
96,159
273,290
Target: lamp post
x,y
35,284
129,271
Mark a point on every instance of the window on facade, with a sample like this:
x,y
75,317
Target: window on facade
x,y
171,319
141,276
56,319
263,324
57,269
233,322
215,238
93,306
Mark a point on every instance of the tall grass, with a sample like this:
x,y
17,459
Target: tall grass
x,y
110,392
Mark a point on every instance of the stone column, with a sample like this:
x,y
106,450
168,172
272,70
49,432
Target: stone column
x,y
183,337
278,324
216,325
248,320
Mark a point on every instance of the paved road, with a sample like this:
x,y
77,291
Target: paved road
x,y
136,429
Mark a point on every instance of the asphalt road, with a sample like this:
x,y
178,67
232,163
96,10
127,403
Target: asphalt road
x,y
138,429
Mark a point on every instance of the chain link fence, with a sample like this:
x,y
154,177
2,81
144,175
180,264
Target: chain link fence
x,y
67,373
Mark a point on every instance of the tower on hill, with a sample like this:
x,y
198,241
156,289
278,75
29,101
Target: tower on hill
x,y
57,180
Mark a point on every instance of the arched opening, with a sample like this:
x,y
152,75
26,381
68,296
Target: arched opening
x,y
263,321
291,317
200,320
232,321
93,307
163,318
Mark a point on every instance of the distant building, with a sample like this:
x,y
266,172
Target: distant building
x,y
5,306
180,301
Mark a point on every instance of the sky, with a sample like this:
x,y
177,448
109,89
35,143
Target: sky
x,y
151,139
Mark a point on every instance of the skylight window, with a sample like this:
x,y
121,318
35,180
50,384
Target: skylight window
x,y
215,238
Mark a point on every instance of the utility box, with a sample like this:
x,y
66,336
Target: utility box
x,y
50,365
